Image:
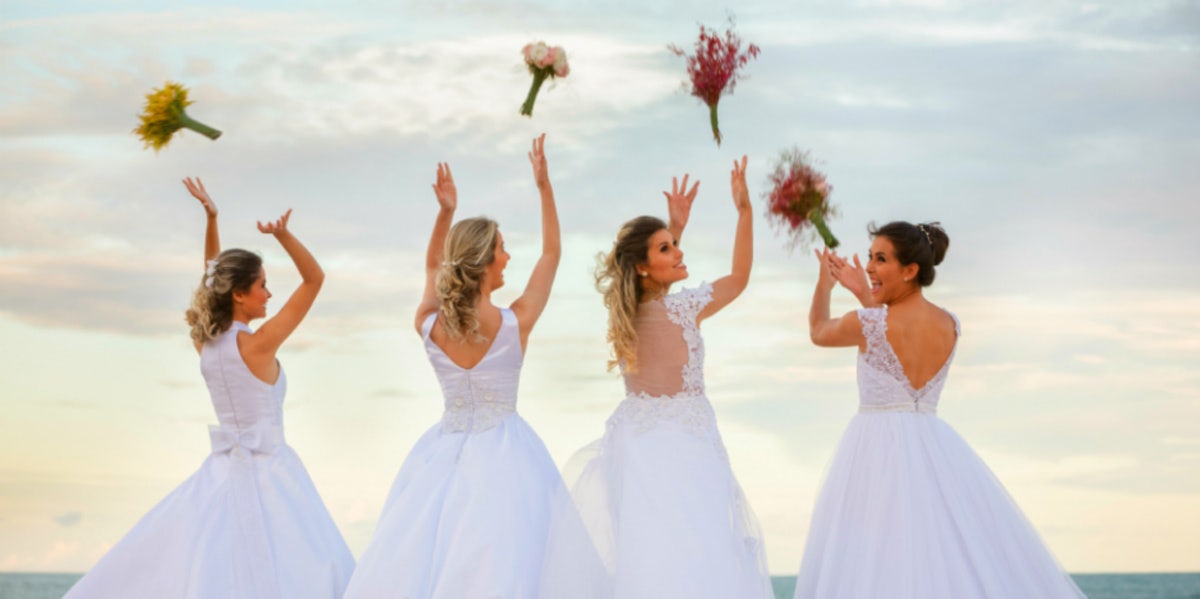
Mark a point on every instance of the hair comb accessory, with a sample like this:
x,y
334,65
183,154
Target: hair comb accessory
x,y
926,232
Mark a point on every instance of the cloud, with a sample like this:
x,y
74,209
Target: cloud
x,y
69,518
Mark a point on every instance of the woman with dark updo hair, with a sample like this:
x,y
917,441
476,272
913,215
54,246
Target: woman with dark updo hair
x,y
249,523
908,510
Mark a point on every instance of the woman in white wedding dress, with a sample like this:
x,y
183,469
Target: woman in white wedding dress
x,y
248,524
468,513
657,492
908,510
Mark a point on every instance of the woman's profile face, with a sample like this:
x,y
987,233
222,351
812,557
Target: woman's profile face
x,y
664,261
886,275
495,270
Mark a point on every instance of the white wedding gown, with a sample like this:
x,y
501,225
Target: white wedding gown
x,y
909,511
657,492
469,511
247,525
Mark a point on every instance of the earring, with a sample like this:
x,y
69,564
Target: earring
x,y
641,274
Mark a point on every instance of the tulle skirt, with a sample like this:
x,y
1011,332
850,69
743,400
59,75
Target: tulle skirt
x,y
663,508
468,516
908,510
241,527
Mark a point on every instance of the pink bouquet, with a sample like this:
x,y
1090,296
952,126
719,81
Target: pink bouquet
x,y
799,199
714,68
543,62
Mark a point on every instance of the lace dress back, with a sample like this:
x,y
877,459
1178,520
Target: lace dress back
x,y
670,351
882,384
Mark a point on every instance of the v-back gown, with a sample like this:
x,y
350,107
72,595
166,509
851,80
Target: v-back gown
x,y
657,492
468,513
908,510
248,524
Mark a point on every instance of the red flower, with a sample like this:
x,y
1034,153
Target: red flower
x,y
713,70
799,199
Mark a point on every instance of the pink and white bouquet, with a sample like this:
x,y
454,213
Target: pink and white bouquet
x,y
544,62
798,199
715,68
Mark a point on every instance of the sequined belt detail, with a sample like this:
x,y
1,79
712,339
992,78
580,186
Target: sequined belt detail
x,y
900,406
472,410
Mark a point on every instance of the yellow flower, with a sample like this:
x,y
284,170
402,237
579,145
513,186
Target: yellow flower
x,y
164,115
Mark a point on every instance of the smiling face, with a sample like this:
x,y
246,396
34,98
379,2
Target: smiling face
x,y
252,303
494,274
889,279
664,262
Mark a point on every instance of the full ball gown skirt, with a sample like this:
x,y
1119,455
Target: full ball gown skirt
x,y
908,510
469,511
248,524
657,492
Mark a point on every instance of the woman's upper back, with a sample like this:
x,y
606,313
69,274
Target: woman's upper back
x,y
241,399
907,353
478,394
670,350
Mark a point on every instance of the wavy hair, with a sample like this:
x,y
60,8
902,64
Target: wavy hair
x,y
618,281
470,248
211,312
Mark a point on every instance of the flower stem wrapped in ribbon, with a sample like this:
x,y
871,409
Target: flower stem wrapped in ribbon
x,y
714,68
164,115
798,199
544,62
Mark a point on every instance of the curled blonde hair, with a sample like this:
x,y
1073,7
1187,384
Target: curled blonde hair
x,y
211,312
470,248
617,279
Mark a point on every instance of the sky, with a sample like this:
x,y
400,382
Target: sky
x,y
1056,142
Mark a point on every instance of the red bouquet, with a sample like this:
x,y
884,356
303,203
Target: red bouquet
x,y
799,199
713,69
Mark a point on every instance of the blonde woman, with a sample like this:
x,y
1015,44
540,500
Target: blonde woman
x,y
469,510
657,492
249,524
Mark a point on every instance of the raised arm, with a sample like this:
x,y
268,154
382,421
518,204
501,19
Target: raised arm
x,y
528,308
447,197
212,238
853,278
823,330
679,206
271,335
728,287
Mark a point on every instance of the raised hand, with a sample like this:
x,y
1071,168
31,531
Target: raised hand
x,y
196,188
853,278
826,278
277,227
737,180
679,203
444,189
537,158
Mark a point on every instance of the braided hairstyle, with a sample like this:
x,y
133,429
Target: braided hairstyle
x,y
470,248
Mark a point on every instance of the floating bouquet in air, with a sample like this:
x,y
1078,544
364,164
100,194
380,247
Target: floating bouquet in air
x,y
544,62
798,199
164,115
714,69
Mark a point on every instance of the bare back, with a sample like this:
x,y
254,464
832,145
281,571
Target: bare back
x,y
923,337
464,352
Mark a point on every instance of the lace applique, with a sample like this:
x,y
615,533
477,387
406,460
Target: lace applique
x,y
683,308
881,356
472,408
646,412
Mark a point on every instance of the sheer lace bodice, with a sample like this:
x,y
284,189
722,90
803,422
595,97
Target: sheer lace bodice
x,y
882,384
668,386
670,351
478,398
